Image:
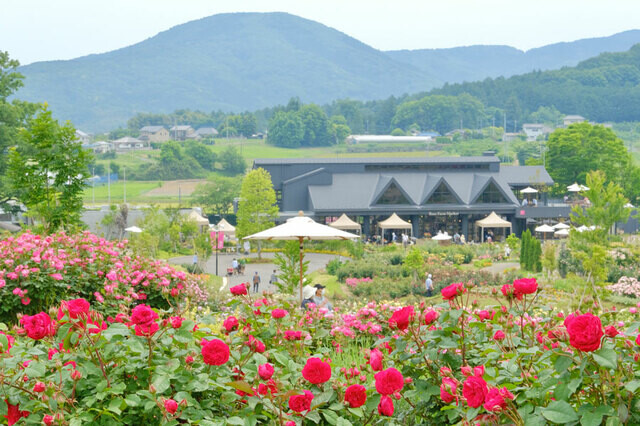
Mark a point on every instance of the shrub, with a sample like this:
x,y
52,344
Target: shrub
x,y
333,265
626,286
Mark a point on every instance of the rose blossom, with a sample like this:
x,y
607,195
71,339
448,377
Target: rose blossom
x,y
401,318
300,403
525,285
499,336
448,389
77,308
611,331
389,381
496,399
279,313
230,324
215,352
239,290
450,292
430,316
171,406
355,395
316,371
474,390
47,420
143,314
37,326
385,407
265,371
39,387
585,332
176,322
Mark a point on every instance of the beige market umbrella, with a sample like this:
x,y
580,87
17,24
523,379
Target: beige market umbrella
x,y
544,229
561,233
529,190
301,228
559,226
577,188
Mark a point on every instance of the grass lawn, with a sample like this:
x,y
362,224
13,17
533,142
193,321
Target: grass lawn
x,y
135,194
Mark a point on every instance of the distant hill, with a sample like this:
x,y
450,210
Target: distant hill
x,y
248,61
473,63
230,61
604,88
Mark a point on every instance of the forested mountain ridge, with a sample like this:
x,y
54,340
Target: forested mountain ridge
x,y
234,61
473,63
604,88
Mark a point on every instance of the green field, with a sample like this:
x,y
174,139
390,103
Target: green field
x,y
135,194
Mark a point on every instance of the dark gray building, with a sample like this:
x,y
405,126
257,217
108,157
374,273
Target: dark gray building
x,y
433,193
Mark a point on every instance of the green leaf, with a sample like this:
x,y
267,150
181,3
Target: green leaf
x,y
331,416
358,412
115,329
343,422
559,412
161,383
235,421
607,358
35,369
115,405
4,343
562,363
632,386
313,416
241,385
591,419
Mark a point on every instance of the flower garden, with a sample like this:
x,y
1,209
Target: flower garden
x,y
95,335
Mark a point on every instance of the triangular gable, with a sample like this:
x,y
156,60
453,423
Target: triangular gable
x,y
491,193
391,194
442,193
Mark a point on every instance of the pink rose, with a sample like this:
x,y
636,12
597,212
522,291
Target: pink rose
x,y
265,371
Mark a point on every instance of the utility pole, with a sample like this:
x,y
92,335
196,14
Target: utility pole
x,y
93,186
124,172
109,182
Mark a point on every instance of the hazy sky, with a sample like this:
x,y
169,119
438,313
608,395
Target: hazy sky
x,y
35,30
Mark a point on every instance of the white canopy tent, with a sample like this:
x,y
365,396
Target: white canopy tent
x,y
561,233
226,228
346,224
529,190
202,222
560,225
575,187
395,222
492,221
301,228
133,229
544,230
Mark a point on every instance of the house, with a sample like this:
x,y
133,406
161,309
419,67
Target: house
x,y
83,137
534,131
182,133
508,137
99,147
356,139
129,143
572,119
207,132
154,134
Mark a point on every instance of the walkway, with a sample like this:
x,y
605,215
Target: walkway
x,y
316,261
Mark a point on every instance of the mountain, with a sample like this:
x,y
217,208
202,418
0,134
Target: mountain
x,y
604,88
473,63
234,61
248,61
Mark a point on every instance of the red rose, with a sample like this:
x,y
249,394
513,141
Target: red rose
x,y
316,371
176,322
230,324
355,395
499,336
37,326
389,381
292,335
255,345
269,387
146,330
509,291
300,403
385,407
143,314
279,313
496,399
585,332
450,292
448,389
430,316
215,352
77,308
375,360
265,371
525,286
171,406
638,340
39,387
401,318
611,331
14,414
239,290
474,389
47,420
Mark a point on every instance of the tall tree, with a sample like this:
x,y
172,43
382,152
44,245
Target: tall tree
x,y
13,116
257,208
216,196
48,171
232,162
286,130
317,131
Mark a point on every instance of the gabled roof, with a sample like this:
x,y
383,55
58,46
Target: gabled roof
x,y
433,184
127,139
384,183
181,127
202,131
488,180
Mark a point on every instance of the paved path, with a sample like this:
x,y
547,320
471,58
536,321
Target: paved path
x,y
499,267
316,261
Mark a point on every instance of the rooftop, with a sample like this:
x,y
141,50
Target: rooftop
x,y
382,161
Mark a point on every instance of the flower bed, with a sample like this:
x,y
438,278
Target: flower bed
x,y
267,362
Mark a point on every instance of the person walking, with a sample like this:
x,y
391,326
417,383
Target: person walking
x,y
274,278
428,283
234,265
256,282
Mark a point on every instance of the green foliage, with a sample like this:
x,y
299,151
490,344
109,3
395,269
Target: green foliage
x,y
202,154
288,263
174,164
47,172
286,130
512,241
217,195
232,162
530,253
397,132
257,207
333,265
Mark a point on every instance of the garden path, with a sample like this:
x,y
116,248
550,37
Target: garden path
x,y
316,261
500,267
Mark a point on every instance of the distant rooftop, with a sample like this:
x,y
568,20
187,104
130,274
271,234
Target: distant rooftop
x,y
373,160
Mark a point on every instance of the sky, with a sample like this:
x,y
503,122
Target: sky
x,y
37,30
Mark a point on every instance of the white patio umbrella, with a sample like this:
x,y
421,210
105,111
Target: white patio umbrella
x,y
440,236
301,228
529,190
544,229
561,233
133,229
577,188
561,225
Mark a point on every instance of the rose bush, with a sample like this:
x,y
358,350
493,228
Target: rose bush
x,y
517,362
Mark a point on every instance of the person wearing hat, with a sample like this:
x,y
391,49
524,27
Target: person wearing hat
x,y
428,283
307,295
319,299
